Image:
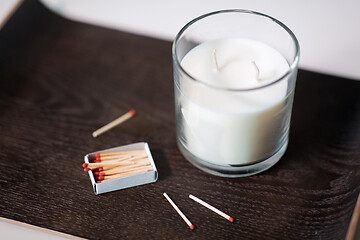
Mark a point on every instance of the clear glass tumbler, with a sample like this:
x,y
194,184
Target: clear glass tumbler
x,y
234,81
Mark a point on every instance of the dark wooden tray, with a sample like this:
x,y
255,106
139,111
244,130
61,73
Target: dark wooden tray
x,y
60,80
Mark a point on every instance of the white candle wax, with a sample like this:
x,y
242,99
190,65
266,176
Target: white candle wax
x,y
227,127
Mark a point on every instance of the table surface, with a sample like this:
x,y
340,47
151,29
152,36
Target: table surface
x,y
60,80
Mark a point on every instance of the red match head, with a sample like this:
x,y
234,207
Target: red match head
x,y
101,178
132,112
85,165
86,169
97,155
100,174
192,227
231,219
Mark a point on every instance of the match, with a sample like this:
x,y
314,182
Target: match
x,y
114,165
91,166
123,169
122,175
211,208
114,123
122,157
136,163
179,212
105,154
353,228
113,162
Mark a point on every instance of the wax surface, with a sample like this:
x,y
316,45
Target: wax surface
x,y
234,127
241,63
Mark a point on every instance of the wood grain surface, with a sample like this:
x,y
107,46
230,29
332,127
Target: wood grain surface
x,y
61,80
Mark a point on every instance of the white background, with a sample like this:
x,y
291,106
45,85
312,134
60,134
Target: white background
x,y
328,30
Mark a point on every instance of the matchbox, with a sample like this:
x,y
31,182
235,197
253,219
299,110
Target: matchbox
x,y
113,184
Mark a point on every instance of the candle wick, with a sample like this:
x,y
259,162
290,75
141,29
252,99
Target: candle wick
x,y
257,70
216,62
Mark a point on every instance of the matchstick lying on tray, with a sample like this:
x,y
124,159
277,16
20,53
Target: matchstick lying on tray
x,y
114,165
114,123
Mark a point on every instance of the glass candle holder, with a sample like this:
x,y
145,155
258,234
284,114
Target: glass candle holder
x,y
234,81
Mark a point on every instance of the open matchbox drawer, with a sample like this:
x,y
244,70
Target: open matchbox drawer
x,y
126,182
